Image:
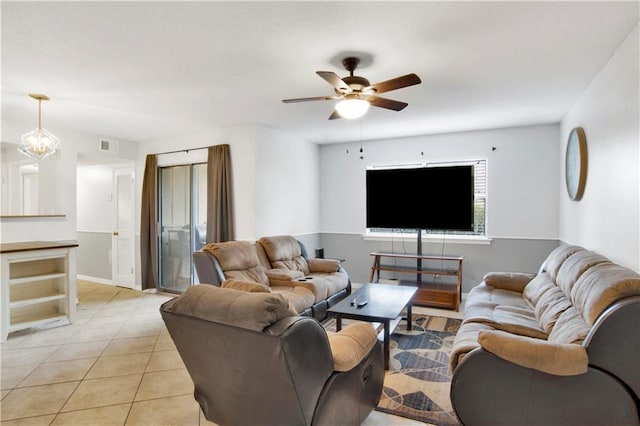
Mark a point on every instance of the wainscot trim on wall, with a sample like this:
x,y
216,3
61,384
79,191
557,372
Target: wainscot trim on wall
x,y
507,255
32,216
95,280
432,238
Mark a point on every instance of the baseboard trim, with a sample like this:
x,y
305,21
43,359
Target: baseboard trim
x,y
95,279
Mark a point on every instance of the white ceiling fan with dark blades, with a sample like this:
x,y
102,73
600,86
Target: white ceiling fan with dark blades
x,y
356,94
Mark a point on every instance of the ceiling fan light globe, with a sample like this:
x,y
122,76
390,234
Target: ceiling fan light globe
x,y
352,108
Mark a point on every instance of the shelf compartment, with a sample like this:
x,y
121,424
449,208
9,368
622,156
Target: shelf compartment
x,y
27,268
35,278
434,294
35,320
37,289
36,301
27,314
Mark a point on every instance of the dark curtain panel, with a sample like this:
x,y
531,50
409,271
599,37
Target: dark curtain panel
x,y
148,227
220,226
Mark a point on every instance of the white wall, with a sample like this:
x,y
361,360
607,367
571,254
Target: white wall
x,y
95,198
287,184
241,140
607,219
57,182
522,177
57,188
272,173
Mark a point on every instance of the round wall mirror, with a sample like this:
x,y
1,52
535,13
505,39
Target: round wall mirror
x,y
576,163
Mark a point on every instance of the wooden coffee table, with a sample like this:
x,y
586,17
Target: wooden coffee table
x,y
384,304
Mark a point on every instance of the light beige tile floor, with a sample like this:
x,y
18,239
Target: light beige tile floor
x,y
116,365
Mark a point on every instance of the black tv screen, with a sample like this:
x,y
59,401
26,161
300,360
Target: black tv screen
x,y
437,198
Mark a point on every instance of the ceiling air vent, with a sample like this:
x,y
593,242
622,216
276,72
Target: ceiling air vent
x,y
108,146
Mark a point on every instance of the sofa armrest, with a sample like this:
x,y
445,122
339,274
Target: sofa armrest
x,y
283,276
351,345
208,268
323,265
512,281
560,359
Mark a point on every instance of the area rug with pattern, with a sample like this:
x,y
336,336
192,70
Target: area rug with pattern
x,y
418,380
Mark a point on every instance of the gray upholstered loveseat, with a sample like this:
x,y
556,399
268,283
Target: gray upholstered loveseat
x,y
275,264
558,348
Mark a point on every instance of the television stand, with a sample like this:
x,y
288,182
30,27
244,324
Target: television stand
x,y
441,290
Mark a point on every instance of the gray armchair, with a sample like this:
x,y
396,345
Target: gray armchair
x,y
254,361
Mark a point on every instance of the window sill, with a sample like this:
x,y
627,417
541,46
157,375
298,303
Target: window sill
x,y
429,238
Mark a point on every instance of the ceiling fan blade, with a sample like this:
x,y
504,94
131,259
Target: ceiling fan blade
x,y
333,79
395,83
315,98
334,115
386,103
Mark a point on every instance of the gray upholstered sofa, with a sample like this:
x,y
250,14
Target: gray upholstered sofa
x,y
275,264
561,347
254,361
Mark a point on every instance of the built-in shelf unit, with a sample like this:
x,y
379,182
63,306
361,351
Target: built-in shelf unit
x,y
38,284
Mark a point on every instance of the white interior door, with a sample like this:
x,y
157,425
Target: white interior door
x,y
123,242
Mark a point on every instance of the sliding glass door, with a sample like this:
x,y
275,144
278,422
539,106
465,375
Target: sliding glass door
x,y
182,193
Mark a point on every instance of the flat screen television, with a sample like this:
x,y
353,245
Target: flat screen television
x,y
434,198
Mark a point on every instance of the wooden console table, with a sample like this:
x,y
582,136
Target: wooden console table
x,y
443,287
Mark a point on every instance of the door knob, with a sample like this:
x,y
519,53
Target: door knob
x,y
115,233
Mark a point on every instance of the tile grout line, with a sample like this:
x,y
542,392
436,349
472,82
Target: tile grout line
x,y
89,369
100,355
142,378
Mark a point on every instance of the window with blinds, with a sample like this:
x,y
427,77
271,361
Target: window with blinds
x,y
480,201
480,197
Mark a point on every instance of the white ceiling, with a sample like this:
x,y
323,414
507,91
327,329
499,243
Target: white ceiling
x,y
147,70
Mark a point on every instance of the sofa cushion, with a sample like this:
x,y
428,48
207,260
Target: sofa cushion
x,y
466,340
551,304
238,260
249,286
284,252
575,266
536,288
334,281
483,293
315,284
299,298
263,260
351,345
600,286
570,327
556,258
252,311
512,319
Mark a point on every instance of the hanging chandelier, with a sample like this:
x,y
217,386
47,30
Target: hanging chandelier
x,y
39,143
